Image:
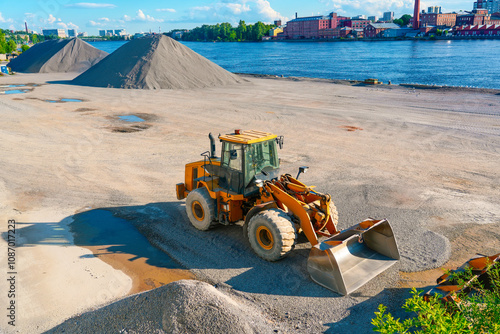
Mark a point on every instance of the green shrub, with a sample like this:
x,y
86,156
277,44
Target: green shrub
x,y
477,312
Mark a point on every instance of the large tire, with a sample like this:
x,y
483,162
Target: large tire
x,y
200,209
271,234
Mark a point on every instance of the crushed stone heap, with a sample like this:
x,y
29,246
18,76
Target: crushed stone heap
x,y
156,62
186,306
61,55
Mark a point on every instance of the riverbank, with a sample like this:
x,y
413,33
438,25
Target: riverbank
x,y
425,159
382,85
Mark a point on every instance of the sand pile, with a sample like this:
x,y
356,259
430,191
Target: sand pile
x,y
156,62
63,55
186,306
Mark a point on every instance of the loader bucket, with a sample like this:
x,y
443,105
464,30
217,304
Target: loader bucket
x,y
348,260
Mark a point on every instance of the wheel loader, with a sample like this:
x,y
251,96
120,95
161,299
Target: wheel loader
x,y
245,184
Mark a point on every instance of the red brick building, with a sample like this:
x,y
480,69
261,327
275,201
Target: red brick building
x,y
374,30
438,20
478,30
341,20
356,23
479,16
309,27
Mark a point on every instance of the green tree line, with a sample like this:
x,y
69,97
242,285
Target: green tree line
x,y
225,32
403,20
9,40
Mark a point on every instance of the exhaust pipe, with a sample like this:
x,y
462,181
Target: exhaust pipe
x,y
212,145
345,262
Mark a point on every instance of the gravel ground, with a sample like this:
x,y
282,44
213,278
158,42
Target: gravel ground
x,y
427,160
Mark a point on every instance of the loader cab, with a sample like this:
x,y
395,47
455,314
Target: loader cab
x,y
247,156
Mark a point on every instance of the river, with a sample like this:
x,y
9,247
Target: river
x,y
466,63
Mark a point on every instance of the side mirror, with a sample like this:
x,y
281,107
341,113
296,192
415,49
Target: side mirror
x,y
302,169
279,141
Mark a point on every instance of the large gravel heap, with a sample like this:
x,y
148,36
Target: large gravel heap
x,y
186,306
156,62
62,55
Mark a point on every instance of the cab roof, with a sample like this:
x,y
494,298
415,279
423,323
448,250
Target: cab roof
x,y
247,137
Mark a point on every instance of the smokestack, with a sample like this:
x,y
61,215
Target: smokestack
x,y
416,15
26,26
295,14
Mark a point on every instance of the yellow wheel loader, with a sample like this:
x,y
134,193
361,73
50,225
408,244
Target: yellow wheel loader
x,y
245,183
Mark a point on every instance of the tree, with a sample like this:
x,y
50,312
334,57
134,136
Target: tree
x,y
11,46
403,20
3,43
24,47
258,31
241,31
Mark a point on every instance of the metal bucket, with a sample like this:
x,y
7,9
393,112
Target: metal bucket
x,y
348,260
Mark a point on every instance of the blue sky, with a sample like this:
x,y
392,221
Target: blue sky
x,y
145,15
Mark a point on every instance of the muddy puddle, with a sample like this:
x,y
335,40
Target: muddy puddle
x,y
131,118
15,91
117,242
64,100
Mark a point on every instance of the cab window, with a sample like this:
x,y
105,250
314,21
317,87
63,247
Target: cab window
x,y
232,156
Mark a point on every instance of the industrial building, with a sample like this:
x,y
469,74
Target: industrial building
x,y
54,32
438,20
309,27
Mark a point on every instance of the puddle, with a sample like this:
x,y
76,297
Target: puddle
x,y
71,100
14,86
64,100
131,118
16,91
117,242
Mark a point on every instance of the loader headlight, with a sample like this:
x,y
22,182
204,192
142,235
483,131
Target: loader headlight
x,y
259,183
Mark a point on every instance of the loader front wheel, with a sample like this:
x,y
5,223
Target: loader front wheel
x,y
200,209
271,234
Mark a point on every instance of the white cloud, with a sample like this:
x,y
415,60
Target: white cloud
x,y
202,8
264,8
51,19
104,19
5,20
234,10
69,25
140,16
170,10
370,7
91,5
94,24
237,8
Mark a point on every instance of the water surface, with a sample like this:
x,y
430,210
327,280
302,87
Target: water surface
x,y
468,63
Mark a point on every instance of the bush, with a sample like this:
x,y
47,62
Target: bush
x,y
24,47
478,312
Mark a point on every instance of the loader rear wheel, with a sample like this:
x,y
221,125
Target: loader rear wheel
x,y
271,234
200,209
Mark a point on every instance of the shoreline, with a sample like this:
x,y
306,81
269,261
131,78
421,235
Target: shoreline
x,y
383,85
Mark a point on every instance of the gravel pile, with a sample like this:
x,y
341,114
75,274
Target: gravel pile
x,y
63,55
185,306
156,62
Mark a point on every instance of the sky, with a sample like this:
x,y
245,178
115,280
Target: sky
x,y
145,15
